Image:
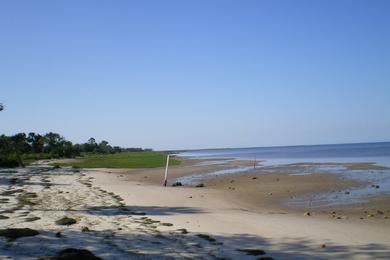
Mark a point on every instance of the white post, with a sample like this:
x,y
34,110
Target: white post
x,y
166,171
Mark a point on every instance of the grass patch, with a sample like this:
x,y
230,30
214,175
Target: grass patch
x,y
122,160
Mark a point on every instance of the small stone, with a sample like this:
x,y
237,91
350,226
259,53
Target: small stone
x,y
380,212
370,215
254,178
347,192
307,213
323,246
58,234
200,185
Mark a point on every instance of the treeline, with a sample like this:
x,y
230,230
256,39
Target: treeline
x,y
19,149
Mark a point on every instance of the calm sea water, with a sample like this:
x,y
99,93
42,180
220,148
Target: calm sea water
x,y
364,152
277,159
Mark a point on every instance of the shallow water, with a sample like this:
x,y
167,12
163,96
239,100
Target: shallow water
x,y
304,160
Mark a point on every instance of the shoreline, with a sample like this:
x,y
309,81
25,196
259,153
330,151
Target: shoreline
x,y
126,213
223,212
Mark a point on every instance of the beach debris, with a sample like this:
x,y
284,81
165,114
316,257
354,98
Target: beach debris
x,y
307,213
252,251
323,246
370,215
14,233
190,197
176,184
66,221
269,193
206,237
200,185
71,254
254,178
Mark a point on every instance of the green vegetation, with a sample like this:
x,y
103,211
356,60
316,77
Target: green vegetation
x,y
123,160
22,149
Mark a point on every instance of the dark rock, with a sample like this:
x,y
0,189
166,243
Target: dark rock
x,y
73,254
200,185
252,251
58,234
66,221
254,178
265,258
3,217
176,184
14,233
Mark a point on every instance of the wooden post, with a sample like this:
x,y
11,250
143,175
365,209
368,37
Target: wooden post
x,y
166,171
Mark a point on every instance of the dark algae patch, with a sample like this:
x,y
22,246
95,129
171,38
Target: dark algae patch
x,y
14,233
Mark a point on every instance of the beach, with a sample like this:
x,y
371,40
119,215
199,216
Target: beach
x,y
128,213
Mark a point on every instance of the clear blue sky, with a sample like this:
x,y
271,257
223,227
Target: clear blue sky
x,y
197,74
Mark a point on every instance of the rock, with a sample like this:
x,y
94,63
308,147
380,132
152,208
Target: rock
x,y
323,246
252,251
177,184
58,234
266,258
200,185
307,213
254,178
3,217
14,233
73,254
380,212
370,215
347,192
66,221
269,193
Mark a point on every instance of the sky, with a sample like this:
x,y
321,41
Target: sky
x,y
197,74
